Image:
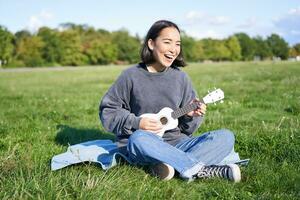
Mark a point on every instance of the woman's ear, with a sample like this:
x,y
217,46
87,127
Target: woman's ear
x,y
151,44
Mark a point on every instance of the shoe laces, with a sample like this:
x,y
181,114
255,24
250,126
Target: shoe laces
x,y
214,171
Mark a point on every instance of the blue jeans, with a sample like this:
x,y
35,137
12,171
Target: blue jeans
x,y
188,156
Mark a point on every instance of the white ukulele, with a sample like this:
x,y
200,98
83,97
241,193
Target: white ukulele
x,y
169,117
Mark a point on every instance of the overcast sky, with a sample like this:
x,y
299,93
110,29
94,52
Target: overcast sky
x,y
200,19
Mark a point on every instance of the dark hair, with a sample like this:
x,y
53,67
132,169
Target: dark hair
x,y
153,33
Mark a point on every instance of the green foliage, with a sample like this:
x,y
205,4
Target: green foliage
x,y
262,48
52,49
247,46
22,34
42,112
98,46
233,45
29,50
215,50
278,46
71,50
297,47
128,47
295,50
222,51
189,48
80,44
6,46
102,52
199,51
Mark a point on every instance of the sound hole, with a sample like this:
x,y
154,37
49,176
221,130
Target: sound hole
x,y
163,120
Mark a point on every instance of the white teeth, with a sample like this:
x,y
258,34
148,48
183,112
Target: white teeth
x,y
168,56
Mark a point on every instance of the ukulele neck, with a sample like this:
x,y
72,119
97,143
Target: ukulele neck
x,y
185,109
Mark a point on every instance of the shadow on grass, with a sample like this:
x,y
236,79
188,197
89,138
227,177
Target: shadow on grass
x,y
67,135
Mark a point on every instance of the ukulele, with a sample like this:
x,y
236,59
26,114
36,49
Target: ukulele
x,y
169,118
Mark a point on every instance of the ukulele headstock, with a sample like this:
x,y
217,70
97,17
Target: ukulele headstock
x,y
214,96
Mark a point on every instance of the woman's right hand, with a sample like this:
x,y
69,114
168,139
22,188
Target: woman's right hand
x,y
149,124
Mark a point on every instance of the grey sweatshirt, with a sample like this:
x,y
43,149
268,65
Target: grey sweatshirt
x,y
137,91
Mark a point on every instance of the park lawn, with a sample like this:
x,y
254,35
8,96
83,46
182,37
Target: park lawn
x,y
44,111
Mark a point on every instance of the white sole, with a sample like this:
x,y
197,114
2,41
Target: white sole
x,y
235,176
163,171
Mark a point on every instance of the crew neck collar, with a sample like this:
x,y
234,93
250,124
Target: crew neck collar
x,y
143,67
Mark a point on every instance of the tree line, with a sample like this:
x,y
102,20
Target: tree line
x,y
73,45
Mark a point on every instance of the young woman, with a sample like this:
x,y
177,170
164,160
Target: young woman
x,y
151,85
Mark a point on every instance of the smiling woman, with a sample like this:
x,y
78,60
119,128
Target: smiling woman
x,y
165,49
152,85
162,44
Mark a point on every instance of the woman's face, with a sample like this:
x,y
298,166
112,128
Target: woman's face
x,y
166,47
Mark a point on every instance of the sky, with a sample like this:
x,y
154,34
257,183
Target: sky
x,y
200,19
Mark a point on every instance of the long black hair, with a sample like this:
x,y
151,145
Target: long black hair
x,y
146,54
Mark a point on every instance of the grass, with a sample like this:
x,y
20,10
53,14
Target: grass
x,y
44,111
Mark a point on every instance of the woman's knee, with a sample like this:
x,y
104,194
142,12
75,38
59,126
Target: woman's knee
x,y
225,136
139,137
139,144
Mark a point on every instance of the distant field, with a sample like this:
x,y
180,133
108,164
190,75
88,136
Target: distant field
x,y
43,111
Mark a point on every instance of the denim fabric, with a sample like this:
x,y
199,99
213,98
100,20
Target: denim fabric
x,y
103,152
144,148
187,156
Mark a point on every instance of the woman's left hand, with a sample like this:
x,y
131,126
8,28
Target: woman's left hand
x,y
200,111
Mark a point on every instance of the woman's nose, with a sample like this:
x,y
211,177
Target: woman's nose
x,y
172,48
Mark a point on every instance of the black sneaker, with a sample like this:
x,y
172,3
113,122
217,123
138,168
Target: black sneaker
x,y
231,172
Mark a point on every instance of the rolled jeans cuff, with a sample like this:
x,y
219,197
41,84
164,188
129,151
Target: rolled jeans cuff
x,y
189,173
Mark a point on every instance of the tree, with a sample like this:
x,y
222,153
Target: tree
x,y
297,48
102,52
215,50
222,52
233,45
294,51
189,47
247,46
128,46
22,34
199,51
6,46
278,45
71,49
209,52
52,49
262,48
29,51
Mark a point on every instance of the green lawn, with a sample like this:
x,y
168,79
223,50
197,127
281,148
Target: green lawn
x,y
42,112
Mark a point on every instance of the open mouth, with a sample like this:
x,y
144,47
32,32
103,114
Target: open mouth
x,y
169,57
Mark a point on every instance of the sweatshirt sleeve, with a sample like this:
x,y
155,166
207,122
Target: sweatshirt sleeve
x,y
188,125
114,110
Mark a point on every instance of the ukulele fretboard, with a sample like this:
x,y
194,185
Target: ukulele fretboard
x,y
185,109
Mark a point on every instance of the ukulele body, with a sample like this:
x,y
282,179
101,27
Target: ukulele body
x,y
165,118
